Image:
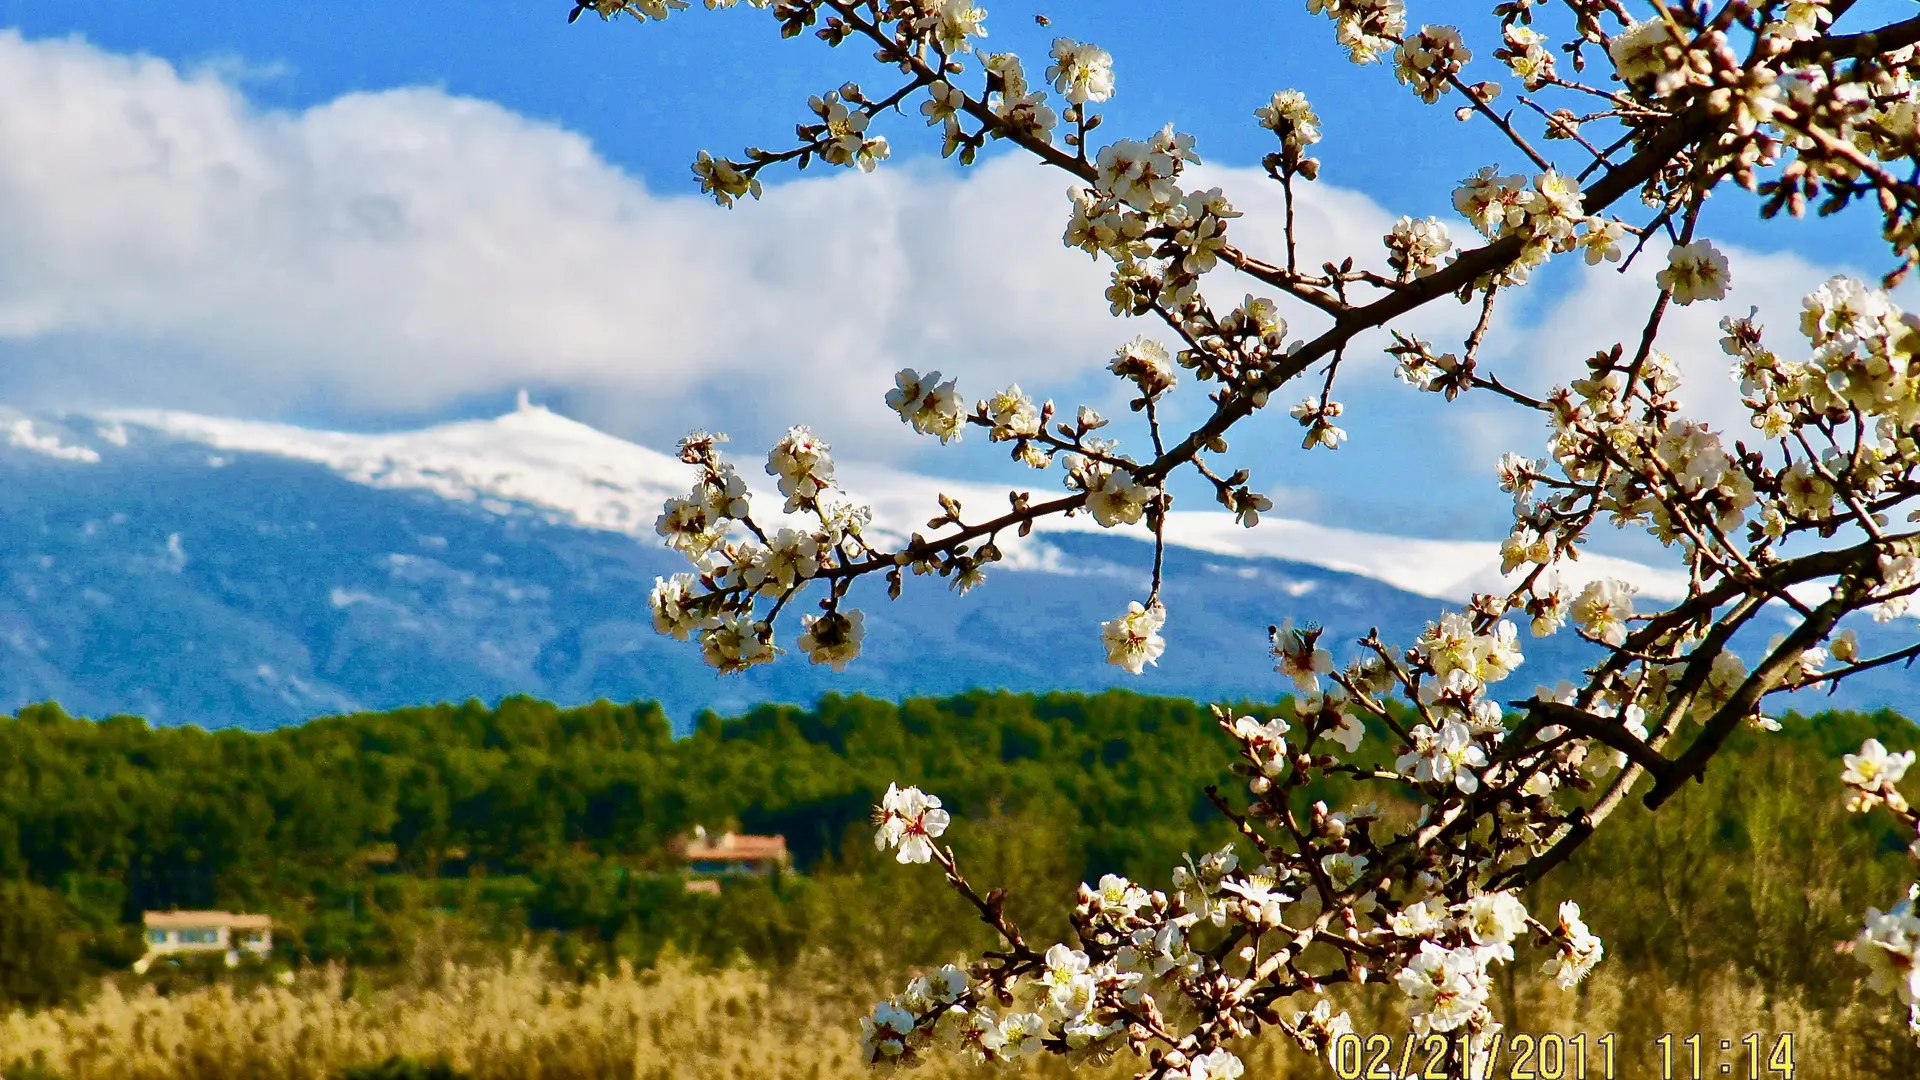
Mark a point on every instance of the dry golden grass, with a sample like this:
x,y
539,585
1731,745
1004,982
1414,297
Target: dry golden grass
x,y
1857,1040
523,1020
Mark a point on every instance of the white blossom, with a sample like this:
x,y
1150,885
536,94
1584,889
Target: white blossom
x,y
803,466
1143,175
1118,894
1526,55
945,101
1147,364
1426,59
1328,713
1889,945
834,638
1216,1064
1081,72
1114,497
1065,977
1019,1034
910,820
1447,986
1453,647
1695,271
953,24
1300,658
734,643
1874,766
673,610
930,406
1416,246
1447,756
1603,608
1845,647
1133,640
789,558
1290,116
1020,108
1647,55
1800,20
1367,28
1578,950
1494,919
1266,742
883,1032
1343,868
1013,414
721,180
1601,240
1323,1027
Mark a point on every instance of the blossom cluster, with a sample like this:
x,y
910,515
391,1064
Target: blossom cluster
x,y
737,563
1366,28
1545,214
1889,941
1809,516
1141,956
1161,236
1430,59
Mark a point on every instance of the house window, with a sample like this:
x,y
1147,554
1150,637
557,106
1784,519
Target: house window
x,y
156,937
199,937
256,937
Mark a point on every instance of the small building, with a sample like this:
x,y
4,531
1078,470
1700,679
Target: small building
x,y
171,933
729,854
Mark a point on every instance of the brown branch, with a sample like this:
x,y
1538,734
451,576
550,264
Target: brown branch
x,y
1854,46
946,543
1692,764
1461,274
1600,728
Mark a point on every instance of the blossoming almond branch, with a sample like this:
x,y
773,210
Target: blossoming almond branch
x,y
1684,98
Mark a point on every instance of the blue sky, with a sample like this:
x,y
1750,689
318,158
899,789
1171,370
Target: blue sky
x,y
397,164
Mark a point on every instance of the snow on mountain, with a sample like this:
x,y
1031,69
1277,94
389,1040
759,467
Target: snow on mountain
x,y
194,569
533,457
21,433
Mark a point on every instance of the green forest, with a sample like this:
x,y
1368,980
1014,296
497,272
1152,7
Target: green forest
x,y
376,838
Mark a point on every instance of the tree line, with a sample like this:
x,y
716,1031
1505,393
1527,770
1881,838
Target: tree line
x,y
375,837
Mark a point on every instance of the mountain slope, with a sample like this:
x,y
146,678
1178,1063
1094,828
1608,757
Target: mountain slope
x,y
229,573
567,471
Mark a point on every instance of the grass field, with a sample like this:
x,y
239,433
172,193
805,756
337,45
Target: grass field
x,y
527,1020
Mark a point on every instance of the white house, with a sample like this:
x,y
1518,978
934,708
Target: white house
x,y
173,932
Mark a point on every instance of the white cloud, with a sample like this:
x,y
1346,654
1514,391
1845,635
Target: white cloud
x,y
391,257
400,250
396,254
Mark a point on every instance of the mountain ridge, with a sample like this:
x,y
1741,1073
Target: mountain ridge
x,y
539,458
219,572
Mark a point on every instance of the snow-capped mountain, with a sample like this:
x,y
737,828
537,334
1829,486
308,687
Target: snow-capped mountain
x,y
217,571
536,459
